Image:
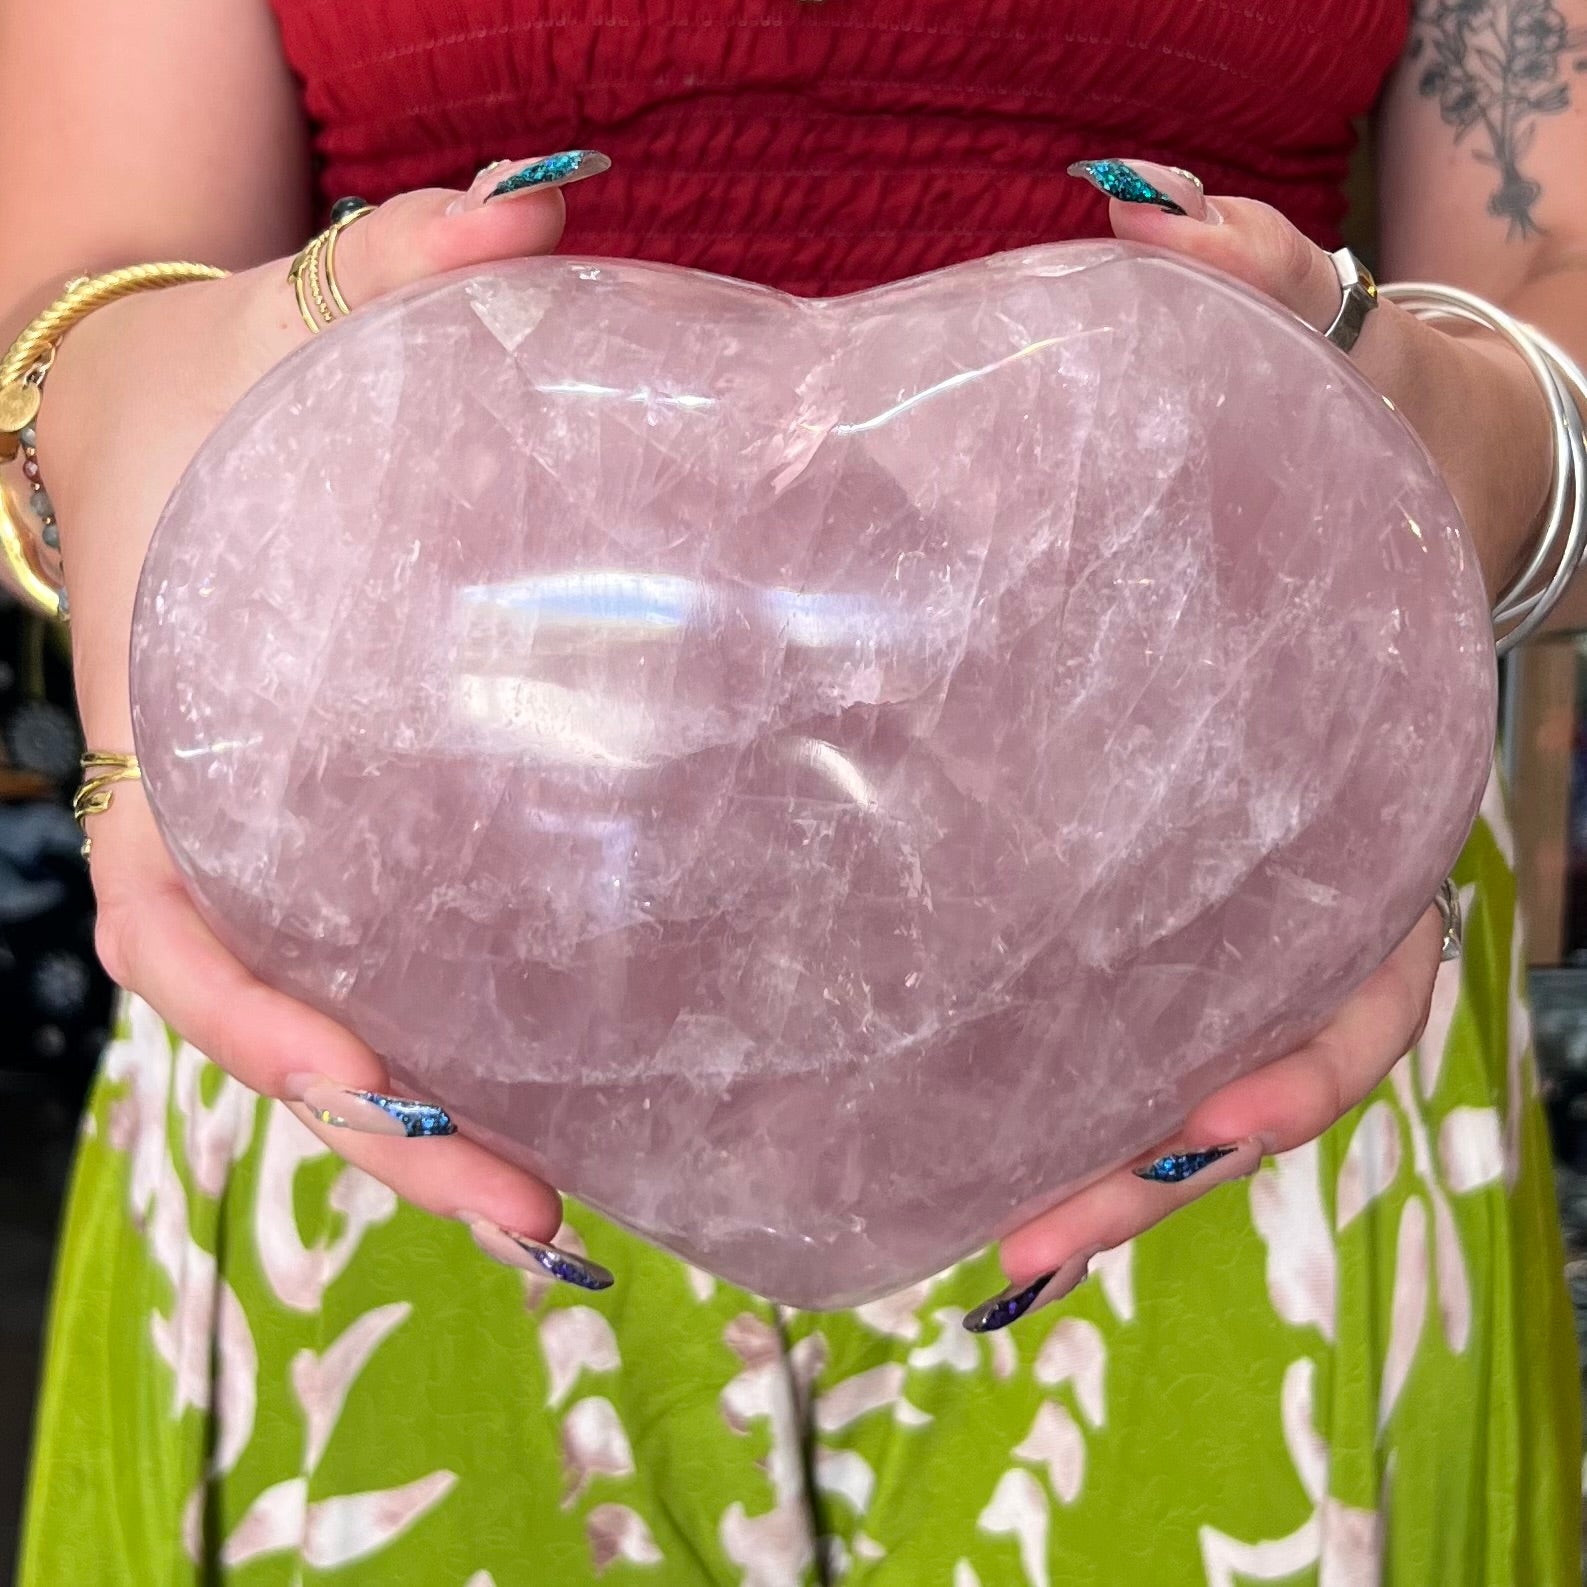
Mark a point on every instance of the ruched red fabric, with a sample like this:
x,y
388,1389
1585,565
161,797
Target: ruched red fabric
x,y
827,146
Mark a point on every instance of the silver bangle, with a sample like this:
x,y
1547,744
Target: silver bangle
x,y
1561,546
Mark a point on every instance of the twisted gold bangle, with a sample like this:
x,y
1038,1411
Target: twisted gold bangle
x,y
87,293
22,372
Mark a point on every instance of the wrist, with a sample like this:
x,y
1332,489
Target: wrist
x,y
1504,480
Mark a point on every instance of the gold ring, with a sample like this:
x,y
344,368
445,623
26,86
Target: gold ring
x,y
313,272
101,773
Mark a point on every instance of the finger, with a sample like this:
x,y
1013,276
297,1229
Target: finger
x,y
1048,1257
513,1216
1274,1109
1165,206
513,209
453,1177
422,234
153,942
1294,1099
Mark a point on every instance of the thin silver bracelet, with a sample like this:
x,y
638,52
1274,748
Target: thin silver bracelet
x,y
1561,546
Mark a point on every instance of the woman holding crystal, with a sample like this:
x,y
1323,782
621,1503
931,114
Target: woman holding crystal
x,y
1346,1353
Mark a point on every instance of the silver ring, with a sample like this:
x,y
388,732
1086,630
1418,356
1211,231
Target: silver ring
x,y
1359,296
1448,905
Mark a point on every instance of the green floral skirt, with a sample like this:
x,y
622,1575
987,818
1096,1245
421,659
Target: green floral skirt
x,y
1358,1367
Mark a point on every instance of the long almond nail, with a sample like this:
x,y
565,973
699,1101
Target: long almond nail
x,y
506,178
1169,188
554,170
1020,1300
535,1256
370,1112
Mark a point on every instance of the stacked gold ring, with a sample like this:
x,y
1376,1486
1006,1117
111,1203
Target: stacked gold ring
x,y
313,272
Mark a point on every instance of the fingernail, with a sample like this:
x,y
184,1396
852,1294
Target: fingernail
x,y
504,178
554,170
372,1112
1225,1163
534,1256
1021,1300
1170,188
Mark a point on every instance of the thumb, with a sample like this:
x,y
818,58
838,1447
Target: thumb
x,y
512,210
1166,206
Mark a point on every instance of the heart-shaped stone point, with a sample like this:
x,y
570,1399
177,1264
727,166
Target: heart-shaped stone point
x,y
817,780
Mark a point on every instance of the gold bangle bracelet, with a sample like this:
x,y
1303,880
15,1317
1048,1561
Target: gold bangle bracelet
x,y
19,399
20,572
22,372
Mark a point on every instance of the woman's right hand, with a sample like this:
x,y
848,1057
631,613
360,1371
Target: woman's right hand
x,y
136,389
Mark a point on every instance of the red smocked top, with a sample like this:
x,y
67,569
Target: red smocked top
x,y
826,146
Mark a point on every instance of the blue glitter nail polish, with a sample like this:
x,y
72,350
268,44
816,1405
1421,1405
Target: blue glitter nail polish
x,y
1124,183
1177,1167
416,1118
1006,1308
553,171
566,1267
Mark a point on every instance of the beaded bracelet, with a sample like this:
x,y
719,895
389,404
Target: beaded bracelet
x,y
31,558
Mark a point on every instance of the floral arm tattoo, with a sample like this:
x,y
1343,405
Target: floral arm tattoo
x,y
1495,66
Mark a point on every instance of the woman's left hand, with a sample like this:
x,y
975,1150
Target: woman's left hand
x,y
1480,413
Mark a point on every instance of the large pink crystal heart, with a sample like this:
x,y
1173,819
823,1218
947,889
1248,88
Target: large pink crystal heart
x,y
817,780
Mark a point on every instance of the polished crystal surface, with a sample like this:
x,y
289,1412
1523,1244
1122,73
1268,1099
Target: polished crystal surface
x,y
816,780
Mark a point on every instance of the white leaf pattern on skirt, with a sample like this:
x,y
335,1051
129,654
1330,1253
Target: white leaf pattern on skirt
x,y
847,1474
355,1525
896,1315
1431,1050
272,1523
1056,1442
1471,1149
617,1533
1371,1163
1408,1308
1115,1272
1302,1264
851,1398
298,1275
575,1340
321,1382
593,1445
1307,1448
1074,1352
218,1133
953,1347
1019,1507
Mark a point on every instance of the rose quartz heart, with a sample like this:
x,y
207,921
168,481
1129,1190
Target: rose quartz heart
x,y
817,780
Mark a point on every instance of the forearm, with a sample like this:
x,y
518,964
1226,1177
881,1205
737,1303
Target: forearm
x,y
166,129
